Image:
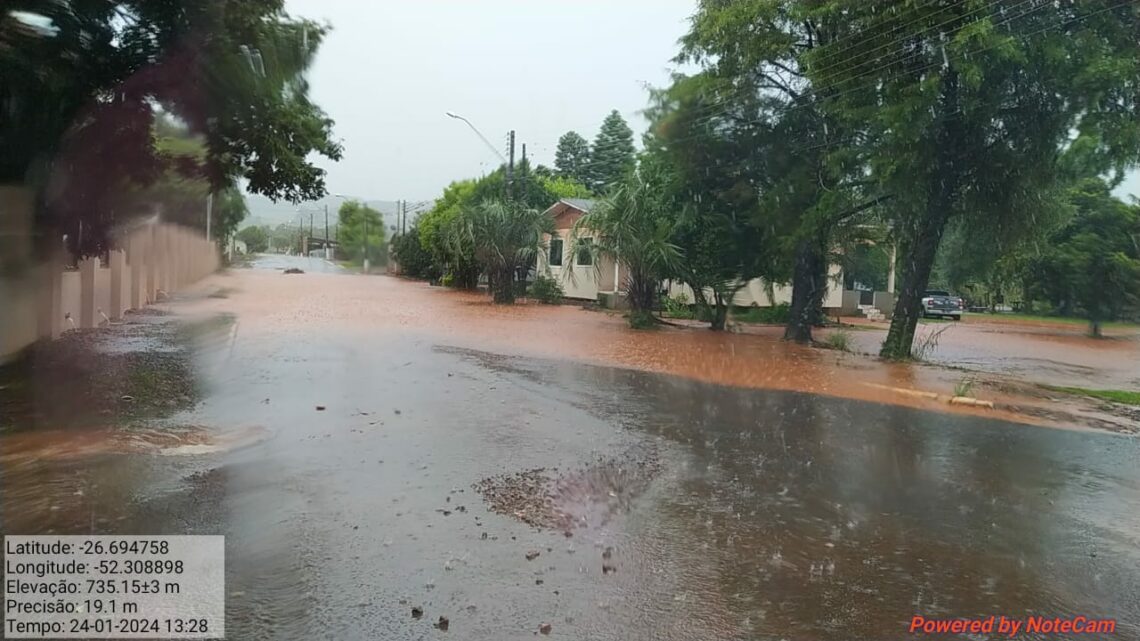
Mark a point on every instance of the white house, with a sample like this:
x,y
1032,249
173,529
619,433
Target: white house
x,y
581,279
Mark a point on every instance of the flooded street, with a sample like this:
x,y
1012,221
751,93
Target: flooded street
x,y
348,423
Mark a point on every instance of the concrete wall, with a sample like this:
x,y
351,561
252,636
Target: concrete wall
x,y
46,300
885,302
850,306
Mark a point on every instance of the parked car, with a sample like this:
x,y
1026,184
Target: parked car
x,y
941,304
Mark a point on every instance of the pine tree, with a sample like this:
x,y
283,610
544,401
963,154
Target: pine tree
x,y
572,156
612,155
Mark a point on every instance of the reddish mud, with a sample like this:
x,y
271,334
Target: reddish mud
x,y
264,301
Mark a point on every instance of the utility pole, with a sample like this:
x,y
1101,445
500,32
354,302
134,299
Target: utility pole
x,y
524,153
365,244
403,217
209,212
511,164
328,252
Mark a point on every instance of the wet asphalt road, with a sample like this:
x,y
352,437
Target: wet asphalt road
x,y
776,515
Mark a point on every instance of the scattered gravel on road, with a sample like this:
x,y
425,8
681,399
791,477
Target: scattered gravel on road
x,y
588,496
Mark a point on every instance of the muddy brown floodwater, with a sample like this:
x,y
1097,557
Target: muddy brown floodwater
x,y
481,465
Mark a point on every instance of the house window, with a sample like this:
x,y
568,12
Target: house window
x,y
585,255
555,252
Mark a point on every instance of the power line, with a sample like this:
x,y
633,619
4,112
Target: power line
x,y
814,92
918,70
824,71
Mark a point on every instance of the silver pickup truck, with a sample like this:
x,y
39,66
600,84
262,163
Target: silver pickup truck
x,y
942,304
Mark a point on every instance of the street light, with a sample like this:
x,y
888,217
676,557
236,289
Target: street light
x,y
495,150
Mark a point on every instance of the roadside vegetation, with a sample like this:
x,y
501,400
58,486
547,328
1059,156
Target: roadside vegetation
x,y
142,124
808,135
1125,397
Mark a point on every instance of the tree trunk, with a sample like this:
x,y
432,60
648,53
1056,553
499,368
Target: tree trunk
x,y
809,281
720,313
503,286
942,190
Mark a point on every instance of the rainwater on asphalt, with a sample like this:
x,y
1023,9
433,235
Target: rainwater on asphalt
x,y
771,514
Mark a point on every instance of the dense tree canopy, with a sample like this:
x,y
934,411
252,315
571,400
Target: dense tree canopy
x,y
1091,265
256,238
84,81
361,231
966,112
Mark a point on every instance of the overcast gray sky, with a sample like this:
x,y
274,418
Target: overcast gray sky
x,y
390,69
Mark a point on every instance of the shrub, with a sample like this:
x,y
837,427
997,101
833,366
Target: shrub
x,y
840,340
409,253
546,290
677,306
774,315
641,319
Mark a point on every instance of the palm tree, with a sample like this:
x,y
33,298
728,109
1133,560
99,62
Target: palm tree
x,y
506,237
632,225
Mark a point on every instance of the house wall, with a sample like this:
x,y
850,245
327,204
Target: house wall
x,y
586,281
754,294
578,281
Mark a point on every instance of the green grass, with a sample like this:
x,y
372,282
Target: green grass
x,y
965,386
1067,320
1115,395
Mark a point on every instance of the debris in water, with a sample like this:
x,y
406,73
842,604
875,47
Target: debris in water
x,y
608,553
127,397
484,537
320,408
538,581
417,612
544,628
608,569
532,555
294,270
442,623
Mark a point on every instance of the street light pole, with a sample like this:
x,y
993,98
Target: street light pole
x,y
493,149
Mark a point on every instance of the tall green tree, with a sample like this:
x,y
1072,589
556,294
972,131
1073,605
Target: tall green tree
x,y
612,155
632,226
361,231
255,237
453,254
965,111
1091,265
754,90
82,89
711,195
572,157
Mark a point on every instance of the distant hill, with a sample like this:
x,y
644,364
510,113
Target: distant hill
x,y
263,211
